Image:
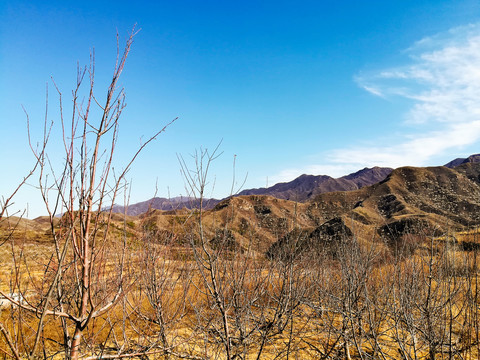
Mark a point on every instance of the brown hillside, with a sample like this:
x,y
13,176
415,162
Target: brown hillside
x,y
430,198
444,196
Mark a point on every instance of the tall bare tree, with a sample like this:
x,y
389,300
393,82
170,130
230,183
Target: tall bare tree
x,y
86,276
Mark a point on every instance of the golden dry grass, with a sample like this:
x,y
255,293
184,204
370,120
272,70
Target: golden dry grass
x,y
191,316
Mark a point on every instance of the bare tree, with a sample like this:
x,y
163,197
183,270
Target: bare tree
x,y
86,275
159,303
244,303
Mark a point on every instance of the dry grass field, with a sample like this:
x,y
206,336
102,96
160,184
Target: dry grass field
x,y
188,295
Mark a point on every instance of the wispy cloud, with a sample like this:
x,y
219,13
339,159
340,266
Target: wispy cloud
x,y
373,90
442,79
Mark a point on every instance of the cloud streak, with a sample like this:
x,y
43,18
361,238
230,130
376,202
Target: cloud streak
x,y
442,81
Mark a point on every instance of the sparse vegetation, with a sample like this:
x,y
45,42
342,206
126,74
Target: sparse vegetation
x,y
384,272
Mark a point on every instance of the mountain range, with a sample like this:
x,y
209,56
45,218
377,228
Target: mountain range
x,y
306,187
164,204
302,189
409,203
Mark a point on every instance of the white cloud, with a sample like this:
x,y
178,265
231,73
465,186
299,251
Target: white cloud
x,y
442,80
372,90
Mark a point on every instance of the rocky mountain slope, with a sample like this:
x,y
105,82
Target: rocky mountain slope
x,y
427,201
421,201
443,196
301,189
409,205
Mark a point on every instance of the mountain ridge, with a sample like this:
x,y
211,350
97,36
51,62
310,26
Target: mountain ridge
x,y
459,161
301,189
305,186
410,204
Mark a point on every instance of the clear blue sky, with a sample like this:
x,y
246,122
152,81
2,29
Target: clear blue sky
x,y
319,87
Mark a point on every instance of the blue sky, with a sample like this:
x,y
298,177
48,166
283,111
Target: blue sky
x,y
318,87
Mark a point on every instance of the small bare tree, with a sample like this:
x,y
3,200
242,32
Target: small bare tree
x,y
244,303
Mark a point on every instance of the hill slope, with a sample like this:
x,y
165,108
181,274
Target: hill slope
x,y
410,200
440,194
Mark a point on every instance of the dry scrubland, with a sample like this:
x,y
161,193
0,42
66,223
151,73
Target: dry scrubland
x,y
253,278
189,291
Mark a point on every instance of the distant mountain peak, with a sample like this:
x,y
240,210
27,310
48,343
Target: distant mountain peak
x,y
307,186
475,158
374,173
